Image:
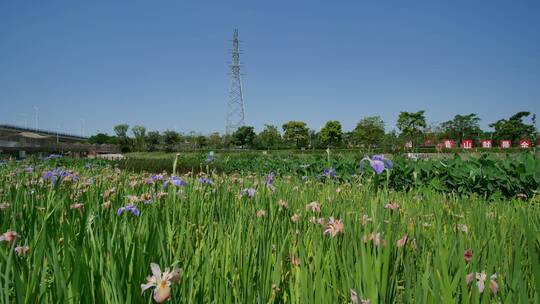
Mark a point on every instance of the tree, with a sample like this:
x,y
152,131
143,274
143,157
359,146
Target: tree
x,y
100,138
331,134
121,130
152,140
244,136
369,131
410,124
268,138
122,139
297,132
215,141
140,137
462,127
170,140
514,128
201,141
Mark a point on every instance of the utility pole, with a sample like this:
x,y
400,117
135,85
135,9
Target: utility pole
x,y
235,104
36,113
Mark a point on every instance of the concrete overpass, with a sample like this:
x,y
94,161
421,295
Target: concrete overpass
x,y
19,140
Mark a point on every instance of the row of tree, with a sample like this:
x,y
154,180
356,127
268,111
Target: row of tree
x,y
369,132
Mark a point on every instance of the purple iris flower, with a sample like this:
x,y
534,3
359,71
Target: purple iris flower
x,y
177,181
128,208
269,180
379,163
329,172
206,181
249,192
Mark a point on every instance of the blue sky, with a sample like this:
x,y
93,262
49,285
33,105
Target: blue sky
x,y
164,64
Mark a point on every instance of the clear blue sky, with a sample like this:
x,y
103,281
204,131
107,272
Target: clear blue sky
x,y
164,64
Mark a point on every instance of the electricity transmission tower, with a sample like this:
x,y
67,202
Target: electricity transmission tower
x,y
235,105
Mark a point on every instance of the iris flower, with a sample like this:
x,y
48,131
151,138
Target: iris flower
x,y
206,181
248,192
9,236
379,163
128,208
314,207
177,181
269,180
468,255
334,227
481,281
329,172
161,282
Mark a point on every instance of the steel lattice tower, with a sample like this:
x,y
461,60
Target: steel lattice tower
x,y
235,105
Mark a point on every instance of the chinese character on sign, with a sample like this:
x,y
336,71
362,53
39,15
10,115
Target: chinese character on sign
x,y
505,144
466,144
524,143
486,143
449,144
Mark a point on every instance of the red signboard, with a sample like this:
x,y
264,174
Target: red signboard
x,y
505,144
525,144
486,143
449,144
538,144
466,144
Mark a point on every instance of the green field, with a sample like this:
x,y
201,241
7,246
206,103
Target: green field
x,y
382,246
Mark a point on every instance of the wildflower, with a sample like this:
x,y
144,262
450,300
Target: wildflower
x,y
161,194
481,281
493,284
354,298
269,180
468,255
133,199
375,238
161,282
22,250
205,181
176,181
295,218
9,236
77,206
261,213
4,206
379,163
463,228
334,227
128,208
314,207
329,172
108,192
248,192
283,204
107,205
365,220
402,241
392,206
295,261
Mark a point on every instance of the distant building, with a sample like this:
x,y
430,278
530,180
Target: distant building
x,y
19,141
